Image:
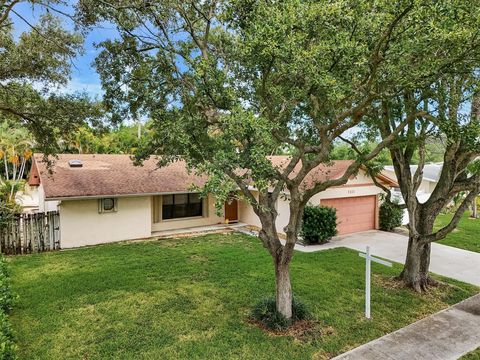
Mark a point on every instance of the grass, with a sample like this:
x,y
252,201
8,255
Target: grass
x,y
474,355
189,299
465,236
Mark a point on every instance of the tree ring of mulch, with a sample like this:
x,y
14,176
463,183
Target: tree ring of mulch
x,y
396,282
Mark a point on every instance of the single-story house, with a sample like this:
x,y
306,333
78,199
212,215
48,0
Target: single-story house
x,y
105,198
431,175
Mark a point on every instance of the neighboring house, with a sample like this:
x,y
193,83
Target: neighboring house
x,y
28,199
431,175
105,198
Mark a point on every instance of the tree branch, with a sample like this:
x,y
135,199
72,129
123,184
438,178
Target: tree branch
x,y
440,234
8,9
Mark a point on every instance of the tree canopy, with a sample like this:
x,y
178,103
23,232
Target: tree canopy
x,y
33,64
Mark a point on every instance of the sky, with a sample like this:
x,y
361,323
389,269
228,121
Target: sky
x,y
84,76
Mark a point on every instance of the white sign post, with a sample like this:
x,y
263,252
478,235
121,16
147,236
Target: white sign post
x,y
369,259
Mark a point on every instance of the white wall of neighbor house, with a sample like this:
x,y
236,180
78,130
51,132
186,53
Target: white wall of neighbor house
x,y
209,216
82,224
431,186
427,186
423,194
361,185
43,204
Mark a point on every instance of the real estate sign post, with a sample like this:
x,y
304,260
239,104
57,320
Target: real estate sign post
x,y
368,260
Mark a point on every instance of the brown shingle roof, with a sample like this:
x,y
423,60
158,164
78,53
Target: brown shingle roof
x,y
115,175
104,175
323,172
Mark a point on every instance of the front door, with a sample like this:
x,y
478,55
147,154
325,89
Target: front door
x,y
231,211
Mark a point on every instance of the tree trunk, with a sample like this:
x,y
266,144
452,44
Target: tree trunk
x,y
281,254
417,263
283,289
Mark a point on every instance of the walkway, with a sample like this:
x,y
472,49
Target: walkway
x,y
446,335
197,230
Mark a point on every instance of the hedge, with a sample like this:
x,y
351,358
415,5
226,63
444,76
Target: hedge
x,y
319,224
7,299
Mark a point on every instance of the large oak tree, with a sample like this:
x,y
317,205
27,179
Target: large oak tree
x,y
228,83
453,106
33,65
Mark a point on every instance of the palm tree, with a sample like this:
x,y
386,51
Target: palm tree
x,y
15,151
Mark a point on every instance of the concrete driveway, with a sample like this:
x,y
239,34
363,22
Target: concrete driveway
x,y
445,260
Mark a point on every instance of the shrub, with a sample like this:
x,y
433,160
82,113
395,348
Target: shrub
x,y
7,211
319,224
266,312
7,345
7,299
390,216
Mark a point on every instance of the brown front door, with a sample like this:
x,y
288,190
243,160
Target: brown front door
x,y
231,211
353,214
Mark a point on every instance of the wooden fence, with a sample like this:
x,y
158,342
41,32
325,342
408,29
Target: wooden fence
x,y
29,233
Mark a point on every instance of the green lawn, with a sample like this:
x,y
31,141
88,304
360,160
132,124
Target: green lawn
x,y
474,355
465,236
189,298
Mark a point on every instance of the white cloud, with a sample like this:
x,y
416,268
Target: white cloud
x,y
77,85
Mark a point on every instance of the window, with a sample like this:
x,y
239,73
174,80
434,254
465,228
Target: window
x,y
106,205
181,205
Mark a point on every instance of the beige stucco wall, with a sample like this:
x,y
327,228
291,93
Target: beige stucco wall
x,y
361,185
81,223
246,214
347,191
209,218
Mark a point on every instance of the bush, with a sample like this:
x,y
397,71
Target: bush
x,y
266,312
7,345
390,216
319,224
7,211
7,299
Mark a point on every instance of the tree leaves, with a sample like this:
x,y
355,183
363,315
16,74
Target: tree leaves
x,y
30,68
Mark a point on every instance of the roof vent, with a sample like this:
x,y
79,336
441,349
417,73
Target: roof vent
x,y
75,163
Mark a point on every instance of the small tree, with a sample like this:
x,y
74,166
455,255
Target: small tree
x,y
15,152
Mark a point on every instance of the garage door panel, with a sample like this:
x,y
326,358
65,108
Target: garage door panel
x,y
353,214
